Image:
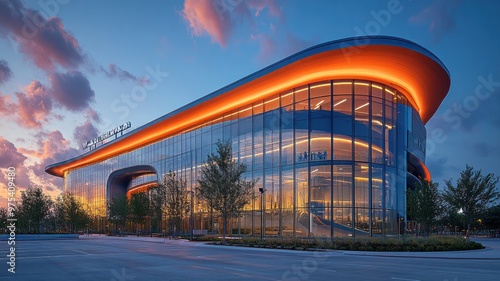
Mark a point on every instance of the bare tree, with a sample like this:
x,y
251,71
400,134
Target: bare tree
x,y
221,184
472,194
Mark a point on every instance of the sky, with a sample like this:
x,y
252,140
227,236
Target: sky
x,y
71,70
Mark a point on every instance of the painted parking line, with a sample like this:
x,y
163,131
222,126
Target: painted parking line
x,y
403,279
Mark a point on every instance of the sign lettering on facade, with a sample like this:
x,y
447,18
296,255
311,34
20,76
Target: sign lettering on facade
x,y
112,132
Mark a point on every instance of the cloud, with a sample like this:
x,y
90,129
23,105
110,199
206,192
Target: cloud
x,y
72,90
5,72
10,156
93,115
218,18
113,71
47,43
439,16
32,108
85,132
50,148
44,41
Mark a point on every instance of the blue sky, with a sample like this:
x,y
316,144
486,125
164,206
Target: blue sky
x,y
70,70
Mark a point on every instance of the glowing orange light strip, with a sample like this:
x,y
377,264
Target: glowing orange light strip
x,y
423,81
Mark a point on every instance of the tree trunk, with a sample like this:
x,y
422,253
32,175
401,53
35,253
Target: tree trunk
x,y
467,234
224,221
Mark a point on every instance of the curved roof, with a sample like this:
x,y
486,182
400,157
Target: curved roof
x,y
399,63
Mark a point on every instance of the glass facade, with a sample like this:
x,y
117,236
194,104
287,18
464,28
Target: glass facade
x,y
331,156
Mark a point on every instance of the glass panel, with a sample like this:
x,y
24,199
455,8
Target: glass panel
x,y
342,87
258,143
301,93
321,104
272,104
362,115
362,220
320,89
342,200
231,116
287,141
287,204
361,183
302,189
245,112
361,146
377,90
320,140
342,105
362,88
390,136
301,137
377,119
271,202
342,147
258,108
320,203
287,98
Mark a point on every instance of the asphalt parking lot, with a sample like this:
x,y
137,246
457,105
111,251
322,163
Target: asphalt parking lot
x,y
132,258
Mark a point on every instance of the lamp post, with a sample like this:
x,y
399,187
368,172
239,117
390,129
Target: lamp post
x,y
462,211
262,191
191,219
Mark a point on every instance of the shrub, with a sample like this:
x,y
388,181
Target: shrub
x,y
405,244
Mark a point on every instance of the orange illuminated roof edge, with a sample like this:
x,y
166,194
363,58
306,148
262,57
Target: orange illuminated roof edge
x,y
301,68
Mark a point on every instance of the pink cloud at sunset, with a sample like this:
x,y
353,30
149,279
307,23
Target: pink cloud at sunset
x,y
33,106
11,157
44,41
218,18
114,71
50,147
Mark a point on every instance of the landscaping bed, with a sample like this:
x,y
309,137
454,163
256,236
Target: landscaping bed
x,y
406,244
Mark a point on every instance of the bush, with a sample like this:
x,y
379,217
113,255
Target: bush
x,y
407,244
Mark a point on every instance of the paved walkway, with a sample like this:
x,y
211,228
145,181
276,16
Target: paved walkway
x,y
492,251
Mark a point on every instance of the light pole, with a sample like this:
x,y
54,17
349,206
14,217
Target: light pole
x,y
462,211
262,191
191,219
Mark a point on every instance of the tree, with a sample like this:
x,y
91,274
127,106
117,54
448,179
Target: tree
x,y
118,210
424,204
176,204
157,201
221,184
35,206
472,194
139,208
70,213
491,218
3,219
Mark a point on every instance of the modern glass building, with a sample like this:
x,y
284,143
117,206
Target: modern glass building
x,y
334,133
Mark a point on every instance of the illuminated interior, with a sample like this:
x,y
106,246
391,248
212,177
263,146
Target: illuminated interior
x,y
330,138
